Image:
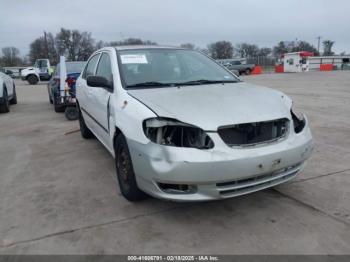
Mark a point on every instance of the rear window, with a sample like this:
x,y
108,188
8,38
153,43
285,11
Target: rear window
x,y
72,67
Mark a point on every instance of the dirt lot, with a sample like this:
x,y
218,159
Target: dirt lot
x,y
59,196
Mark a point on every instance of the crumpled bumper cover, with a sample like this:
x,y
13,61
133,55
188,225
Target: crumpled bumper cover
x,y
220,172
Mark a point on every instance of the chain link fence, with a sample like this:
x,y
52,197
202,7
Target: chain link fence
x,y
266,62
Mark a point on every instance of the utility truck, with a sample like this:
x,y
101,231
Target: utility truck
x,y
41,71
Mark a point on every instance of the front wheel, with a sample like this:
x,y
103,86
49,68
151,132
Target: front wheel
x,y
248,71
125,171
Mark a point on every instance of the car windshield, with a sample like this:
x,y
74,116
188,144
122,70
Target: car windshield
x,y
143,68
40,63
72,67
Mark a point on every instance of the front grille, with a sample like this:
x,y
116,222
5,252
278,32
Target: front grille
x,y
254,133
255,183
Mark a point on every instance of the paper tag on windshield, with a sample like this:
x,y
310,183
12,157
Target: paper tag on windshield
x,y
134,59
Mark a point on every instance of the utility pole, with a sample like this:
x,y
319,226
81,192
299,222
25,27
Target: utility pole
x,y
46,46
318,43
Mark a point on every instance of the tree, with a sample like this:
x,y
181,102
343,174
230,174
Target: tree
x,y
327,47
44,48
280,49
132,41
188,46
74,45
100,44
11,56
264,51
221,50
304,46
247,50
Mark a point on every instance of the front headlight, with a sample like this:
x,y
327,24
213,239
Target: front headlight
x,y
298,121
171,132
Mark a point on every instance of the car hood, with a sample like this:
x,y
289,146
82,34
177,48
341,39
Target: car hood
x,y
211,106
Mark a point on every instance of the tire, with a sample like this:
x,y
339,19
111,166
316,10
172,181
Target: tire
x,y
125,171
50,97
32,79
71,113
13,101
58,108
5,106
84,130
248,71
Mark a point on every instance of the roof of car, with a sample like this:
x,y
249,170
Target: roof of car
x,y
135,47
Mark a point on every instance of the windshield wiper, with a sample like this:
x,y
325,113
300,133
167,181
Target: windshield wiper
x,y
157,84
205,82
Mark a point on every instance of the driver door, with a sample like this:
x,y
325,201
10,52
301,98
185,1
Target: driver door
x,y
99,104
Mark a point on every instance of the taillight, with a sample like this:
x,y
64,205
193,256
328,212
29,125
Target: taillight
x,y
70,81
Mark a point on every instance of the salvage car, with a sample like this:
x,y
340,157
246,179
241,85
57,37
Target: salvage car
x,y
182,127
8,93
53,86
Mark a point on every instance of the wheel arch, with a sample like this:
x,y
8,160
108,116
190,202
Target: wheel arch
x,y
117,132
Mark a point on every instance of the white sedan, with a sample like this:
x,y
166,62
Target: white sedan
x,y
7,91
184,128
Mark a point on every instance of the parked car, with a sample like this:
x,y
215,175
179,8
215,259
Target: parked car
x,y
182,127
40,71
237,65
53,87
8,93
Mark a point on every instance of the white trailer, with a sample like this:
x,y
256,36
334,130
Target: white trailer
x,y
305,61
296,62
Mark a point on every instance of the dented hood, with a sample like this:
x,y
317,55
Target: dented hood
x,y
211,106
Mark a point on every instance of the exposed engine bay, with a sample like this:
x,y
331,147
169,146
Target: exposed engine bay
x,y
174,133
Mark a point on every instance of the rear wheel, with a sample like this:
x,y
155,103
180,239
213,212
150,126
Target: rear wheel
x,y
13,101
71,113
125,171
84,130
4,106
32,79
58,108
248,71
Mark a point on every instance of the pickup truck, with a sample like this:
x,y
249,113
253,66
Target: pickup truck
x,y
237,65
40,71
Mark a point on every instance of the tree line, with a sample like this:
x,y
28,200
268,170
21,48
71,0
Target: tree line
x,y
78,45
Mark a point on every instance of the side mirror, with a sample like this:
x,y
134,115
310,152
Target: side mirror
x,y
99,81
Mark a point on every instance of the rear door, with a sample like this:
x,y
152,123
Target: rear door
x,y
99,105
84,92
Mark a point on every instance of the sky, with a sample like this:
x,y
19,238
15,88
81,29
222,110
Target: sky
x,y
172,22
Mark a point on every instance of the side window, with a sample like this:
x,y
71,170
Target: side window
x,y
90,67
104,67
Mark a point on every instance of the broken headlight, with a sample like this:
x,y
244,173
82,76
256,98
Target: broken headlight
x,y
298,121
171,132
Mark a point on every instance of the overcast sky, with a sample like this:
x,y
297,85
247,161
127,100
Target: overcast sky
x,y
263,22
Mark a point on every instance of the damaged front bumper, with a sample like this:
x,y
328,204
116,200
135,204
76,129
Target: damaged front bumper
x,y
188,174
